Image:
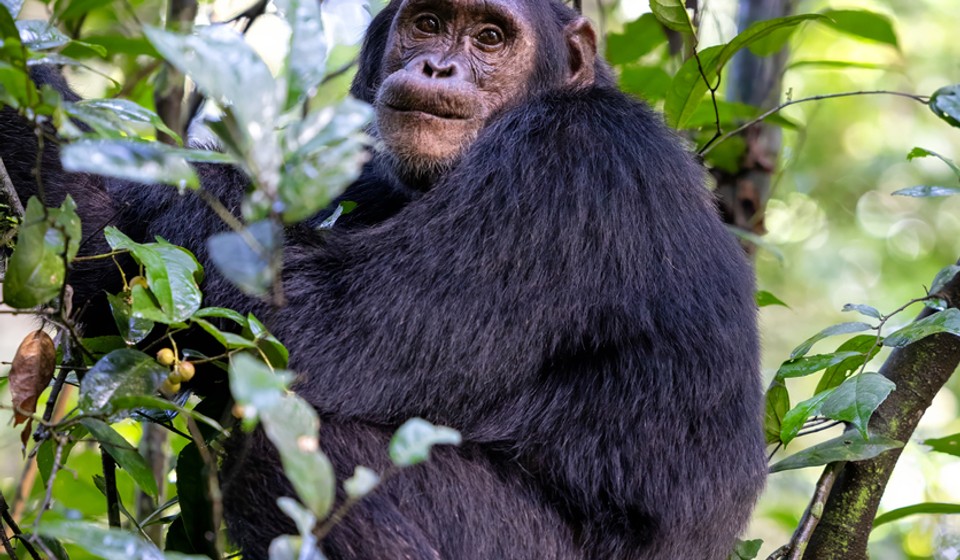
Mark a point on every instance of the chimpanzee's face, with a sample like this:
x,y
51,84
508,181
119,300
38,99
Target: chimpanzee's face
x,y
449,65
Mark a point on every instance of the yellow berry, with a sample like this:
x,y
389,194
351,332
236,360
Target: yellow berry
x,y
238,411
169,389
186,370
166,356
175,377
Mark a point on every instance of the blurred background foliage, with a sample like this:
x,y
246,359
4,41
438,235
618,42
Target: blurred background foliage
x,y
837,235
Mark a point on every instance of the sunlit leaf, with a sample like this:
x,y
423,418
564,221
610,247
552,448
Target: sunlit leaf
x,y
944,277
128,111
39,35
945,103
946,321
109,544
847,447
864,347
863,24
799,367
131,160
746,550
673,14
929,508
927,191
12,6
794,420
123,453
918,152
306,60
133,328
949,444
765,299
776,406
638,38
855,400
412,442
842,328
862,309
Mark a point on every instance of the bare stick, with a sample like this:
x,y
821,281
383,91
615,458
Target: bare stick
x,y
10,193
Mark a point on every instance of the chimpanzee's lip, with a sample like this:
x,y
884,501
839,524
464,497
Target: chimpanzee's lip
x,y
437,112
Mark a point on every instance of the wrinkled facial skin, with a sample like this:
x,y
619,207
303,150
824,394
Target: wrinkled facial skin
x,y
449,66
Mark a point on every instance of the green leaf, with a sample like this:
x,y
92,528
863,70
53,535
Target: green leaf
x,y
918,152
931,508
944,277
949,445
196,507
776,406
946,321
945,103
109,544
123,453
254,386
247,267
649,82
289,547
39,35
121,373
863,24
362,482
673,15
128,111
276,353
689,86
847,447
862,309
221,313
841,328
306,59
140,162
794,420
855,400
639,37
766,299
304,519
799,367
837,65
412,442
927,191
746,550
36,271
229,340
861,345
133,328
150,403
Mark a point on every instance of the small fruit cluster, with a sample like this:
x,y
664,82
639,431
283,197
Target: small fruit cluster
x,y
181,371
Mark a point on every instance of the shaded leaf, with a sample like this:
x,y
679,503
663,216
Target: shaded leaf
x,y
36,271
306,59
794,420
946,321
776,406
863,24
746,550
123,453
30,373
862,309
861,345
247,267
412,442
855,400
638,38
121,373
917,509
649,82
196,508
848,447
945,103
833,330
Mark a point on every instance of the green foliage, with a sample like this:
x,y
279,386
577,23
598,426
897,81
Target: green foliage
x,y
848,447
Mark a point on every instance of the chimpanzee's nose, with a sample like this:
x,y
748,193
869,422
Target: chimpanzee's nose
x,y
436,68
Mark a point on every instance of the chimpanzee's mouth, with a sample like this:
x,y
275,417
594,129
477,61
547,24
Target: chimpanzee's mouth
x,y
430,111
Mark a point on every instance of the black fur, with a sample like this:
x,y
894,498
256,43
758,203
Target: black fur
x,y
566,296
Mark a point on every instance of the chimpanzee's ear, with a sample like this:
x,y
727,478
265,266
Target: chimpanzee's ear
x,y
582,42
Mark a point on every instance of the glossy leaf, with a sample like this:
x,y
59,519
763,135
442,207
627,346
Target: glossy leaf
x,y
306,59
944,277
945,103
929,508
39,35
841,328
35,272
123,453
12,6
855,400
800,367
794,420
132,328
946,321
949,445
247,267
109,544
746,550
638,38
128,111
412,442
121,373
847,447
273,350
672,14
927,191
864,346
776,406
131,160
863,24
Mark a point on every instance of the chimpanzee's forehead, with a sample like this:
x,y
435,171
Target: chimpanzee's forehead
x,y
506,9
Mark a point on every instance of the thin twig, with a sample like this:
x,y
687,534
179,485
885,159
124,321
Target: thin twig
x,y
9,191
11,522
110,483
711,145
811,517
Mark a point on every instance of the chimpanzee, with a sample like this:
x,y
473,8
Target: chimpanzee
x,y
534,261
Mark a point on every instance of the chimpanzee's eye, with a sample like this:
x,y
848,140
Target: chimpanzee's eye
x,y
428,24
490,37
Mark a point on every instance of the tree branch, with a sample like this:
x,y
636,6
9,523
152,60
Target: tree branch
x,y
919,371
